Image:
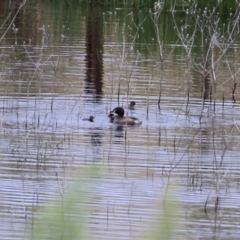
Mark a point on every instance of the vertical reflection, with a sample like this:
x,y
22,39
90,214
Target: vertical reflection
x,y
94,54
117,131
96,140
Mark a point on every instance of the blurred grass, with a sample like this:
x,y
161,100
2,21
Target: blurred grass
x,y
65,217
164,221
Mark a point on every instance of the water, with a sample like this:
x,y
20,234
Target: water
x,y
66,65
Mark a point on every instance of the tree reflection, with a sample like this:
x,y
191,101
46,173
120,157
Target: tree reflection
x,y
94,54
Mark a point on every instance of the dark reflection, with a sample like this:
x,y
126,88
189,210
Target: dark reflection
x,y
96,139
94,54
118,131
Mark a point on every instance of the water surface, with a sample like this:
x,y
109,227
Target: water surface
x,y
63,65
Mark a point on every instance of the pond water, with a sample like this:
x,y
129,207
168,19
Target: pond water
x,y
61,64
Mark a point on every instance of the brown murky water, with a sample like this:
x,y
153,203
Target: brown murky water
x,y
60,66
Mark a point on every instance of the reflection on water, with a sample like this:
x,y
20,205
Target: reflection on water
x,y
118,131
96,138
94,54
203,80
50,85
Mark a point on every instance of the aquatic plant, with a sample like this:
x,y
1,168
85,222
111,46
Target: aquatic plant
x,y
11,24
216,36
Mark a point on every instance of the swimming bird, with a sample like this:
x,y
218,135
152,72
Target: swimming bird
x,y
90,119
119,118
131,105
